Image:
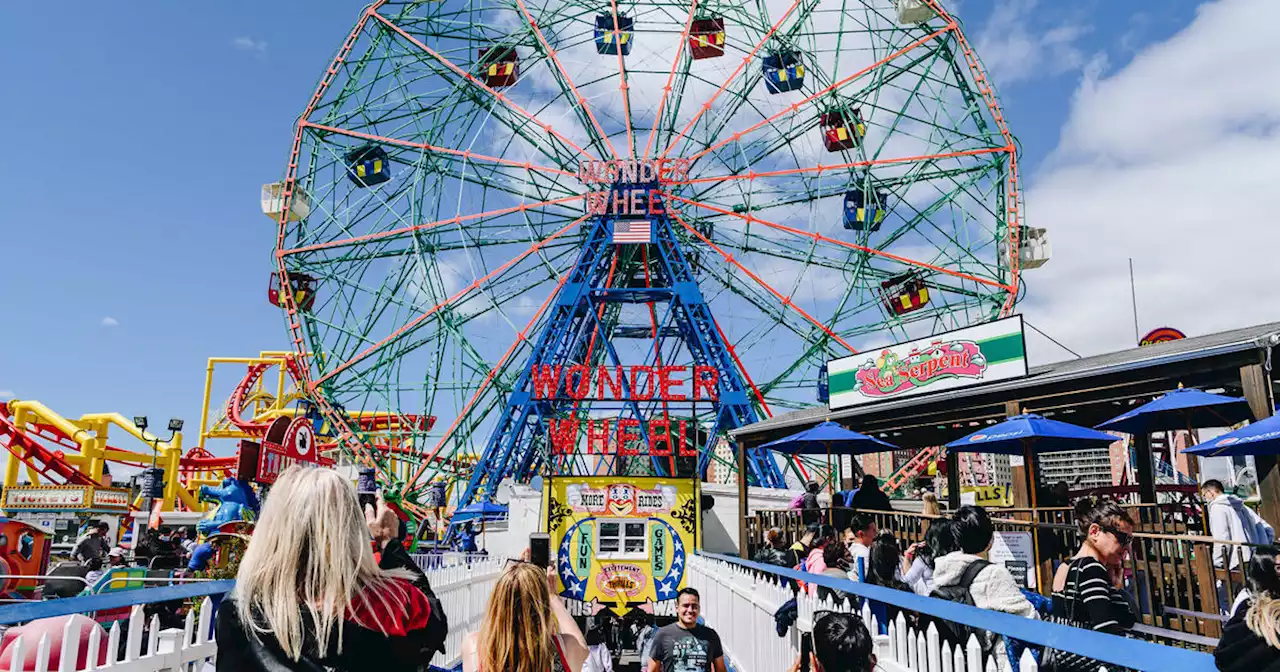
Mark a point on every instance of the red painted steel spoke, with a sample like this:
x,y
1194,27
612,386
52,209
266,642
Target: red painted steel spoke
x,y
622,82
657,345
460,293
842,243
340,421
521,337
502,97
555,58
745,61
466,154
733,352
751,174
429,225
666,90
795,107
786,300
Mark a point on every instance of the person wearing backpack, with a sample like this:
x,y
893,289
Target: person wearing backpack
x,y
1230,520
961,576
810,508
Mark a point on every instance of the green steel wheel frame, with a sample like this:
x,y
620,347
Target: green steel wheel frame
x,y
431,285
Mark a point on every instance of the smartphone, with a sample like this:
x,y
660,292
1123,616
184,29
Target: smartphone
x,y
540,549
806,650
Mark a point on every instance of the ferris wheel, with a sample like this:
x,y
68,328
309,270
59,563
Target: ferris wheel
x,y
479,188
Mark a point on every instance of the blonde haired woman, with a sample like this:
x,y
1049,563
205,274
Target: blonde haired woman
x,y
309,594
930,507
525,628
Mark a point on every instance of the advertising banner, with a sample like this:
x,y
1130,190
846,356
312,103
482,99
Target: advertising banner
x,y
981,354
621,543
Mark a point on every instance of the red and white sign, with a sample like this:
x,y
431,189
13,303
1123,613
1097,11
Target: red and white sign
x,y
110,499
286,444
55,497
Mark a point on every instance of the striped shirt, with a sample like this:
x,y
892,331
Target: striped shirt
x,y
1088,599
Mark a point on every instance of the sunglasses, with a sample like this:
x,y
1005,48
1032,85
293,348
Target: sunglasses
x,y
1123,538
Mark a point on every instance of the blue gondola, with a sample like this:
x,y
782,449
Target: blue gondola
x,y
861,215
368,165
605,42
782,71
824,387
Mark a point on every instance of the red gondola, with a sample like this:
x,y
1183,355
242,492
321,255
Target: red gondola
x,y
706,38
303,288
500,66
904,293
842,130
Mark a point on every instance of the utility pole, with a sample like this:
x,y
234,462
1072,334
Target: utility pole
x,y
1133,294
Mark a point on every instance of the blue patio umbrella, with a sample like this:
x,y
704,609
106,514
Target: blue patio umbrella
x,y
1028,434
479,510
1183,408
829,438
1259,438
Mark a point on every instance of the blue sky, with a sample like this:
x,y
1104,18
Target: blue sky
x,y
131,244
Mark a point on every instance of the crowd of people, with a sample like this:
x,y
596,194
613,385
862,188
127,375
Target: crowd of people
x,y
1088,589
159,548
314,593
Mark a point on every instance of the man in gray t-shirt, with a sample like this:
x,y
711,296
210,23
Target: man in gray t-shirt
x,y
94,545
685,646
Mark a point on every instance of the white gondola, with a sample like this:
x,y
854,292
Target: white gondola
x,y
273,202
1034,249
912,12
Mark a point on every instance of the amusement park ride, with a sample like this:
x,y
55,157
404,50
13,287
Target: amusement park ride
x,y
591,241
539,233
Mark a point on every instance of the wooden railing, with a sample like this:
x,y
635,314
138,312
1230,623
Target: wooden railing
x,y
1183,597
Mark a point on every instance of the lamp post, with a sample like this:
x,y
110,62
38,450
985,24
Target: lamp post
x,y
150,478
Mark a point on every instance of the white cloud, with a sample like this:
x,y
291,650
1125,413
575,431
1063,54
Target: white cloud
x,y
249,45
1014,48
1170,161
7,394
110,322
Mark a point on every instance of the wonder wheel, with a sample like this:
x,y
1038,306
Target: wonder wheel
x,y
479,188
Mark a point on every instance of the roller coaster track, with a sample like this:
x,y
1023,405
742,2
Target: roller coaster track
x,y
51,464
911,469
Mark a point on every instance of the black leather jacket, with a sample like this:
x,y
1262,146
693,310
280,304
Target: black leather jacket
x,y
362,648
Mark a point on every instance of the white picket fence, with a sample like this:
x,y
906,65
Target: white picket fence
x,y
463,590
740,604
169,649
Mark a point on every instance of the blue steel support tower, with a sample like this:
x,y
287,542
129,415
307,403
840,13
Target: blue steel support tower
x,y
518,445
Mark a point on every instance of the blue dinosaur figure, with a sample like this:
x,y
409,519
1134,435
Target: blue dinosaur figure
x,y
236,501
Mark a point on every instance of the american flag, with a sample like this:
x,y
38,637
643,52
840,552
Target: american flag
x,y
632,231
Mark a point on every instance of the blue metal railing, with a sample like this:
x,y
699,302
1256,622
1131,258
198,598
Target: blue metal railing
x,y
30,611
1132,653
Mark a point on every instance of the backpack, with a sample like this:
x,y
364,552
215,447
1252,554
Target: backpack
x,y
797,502
1258,530
958,633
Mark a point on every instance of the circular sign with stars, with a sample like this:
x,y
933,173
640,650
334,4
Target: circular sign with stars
x,y
667,560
